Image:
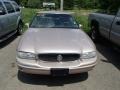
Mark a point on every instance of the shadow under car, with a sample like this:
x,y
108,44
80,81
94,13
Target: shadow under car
x,y
50,80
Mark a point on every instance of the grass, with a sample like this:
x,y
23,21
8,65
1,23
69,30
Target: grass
x,y
80,15
28,14
84,21
82,18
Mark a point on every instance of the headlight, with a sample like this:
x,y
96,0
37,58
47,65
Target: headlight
x,y
26,55
88,55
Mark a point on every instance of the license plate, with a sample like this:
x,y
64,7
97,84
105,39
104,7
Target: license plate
x,y
59,72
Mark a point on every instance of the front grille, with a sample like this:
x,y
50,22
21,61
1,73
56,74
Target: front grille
x,y
58,57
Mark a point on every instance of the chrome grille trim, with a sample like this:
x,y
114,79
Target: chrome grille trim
x,y
55,57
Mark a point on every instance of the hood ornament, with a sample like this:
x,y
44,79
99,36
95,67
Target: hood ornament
x,y
59,58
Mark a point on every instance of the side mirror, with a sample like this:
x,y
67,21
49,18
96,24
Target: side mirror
x,y
27,24
80,25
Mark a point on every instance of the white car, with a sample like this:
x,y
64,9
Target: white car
x,y
55,45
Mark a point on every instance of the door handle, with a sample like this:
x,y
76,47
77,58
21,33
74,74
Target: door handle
x,y
118,23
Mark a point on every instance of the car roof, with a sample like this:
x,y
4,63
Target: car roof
x,y
55,12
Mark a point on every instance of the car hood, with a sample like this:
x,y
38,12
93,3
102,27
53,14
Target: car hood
x,y
55,40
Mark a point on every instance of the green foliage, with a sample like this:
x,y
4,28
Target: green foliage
x,y
68,4
81,16
86,3
24,2
35,3
71,4
27,14
109,4
84,21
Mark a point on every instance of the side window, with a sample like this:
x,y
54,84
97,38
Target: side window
x,y
1,6
16,6
9,7
2,9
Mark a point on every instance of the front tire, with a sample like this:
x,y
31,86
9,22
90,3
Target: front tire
x,y
94,34
20,28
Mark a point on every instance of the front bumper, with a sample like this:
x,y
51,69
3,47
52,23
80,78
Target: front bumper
x,y
47,71
42,71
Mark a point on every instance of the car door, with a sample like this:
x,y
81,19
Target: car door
x,y
11,16
3,21
115,32
17,15
105,23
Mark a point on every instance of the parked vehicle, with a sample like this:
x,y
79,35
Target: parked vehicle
x,y
10,19
106,25
55,45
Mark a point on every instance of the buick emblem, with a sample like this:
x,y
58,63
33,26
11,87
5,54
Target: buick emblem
x,y
59,58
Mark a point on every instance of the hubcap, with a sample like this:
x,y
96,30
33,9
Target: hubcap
x,y
93,35
20,28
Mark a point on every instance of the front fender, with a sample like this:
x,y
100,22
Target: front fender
x,y
19,20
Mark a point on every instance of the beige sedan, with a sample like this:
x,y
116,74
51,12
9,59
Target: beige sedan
x,y
55,45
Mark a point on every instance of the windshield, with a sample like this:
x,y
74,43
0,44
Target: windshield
x,y
53,21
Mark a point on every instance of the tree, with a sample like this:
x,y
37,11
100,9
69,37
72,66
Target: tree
x,y
86,3
24,2
70,4
35,3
